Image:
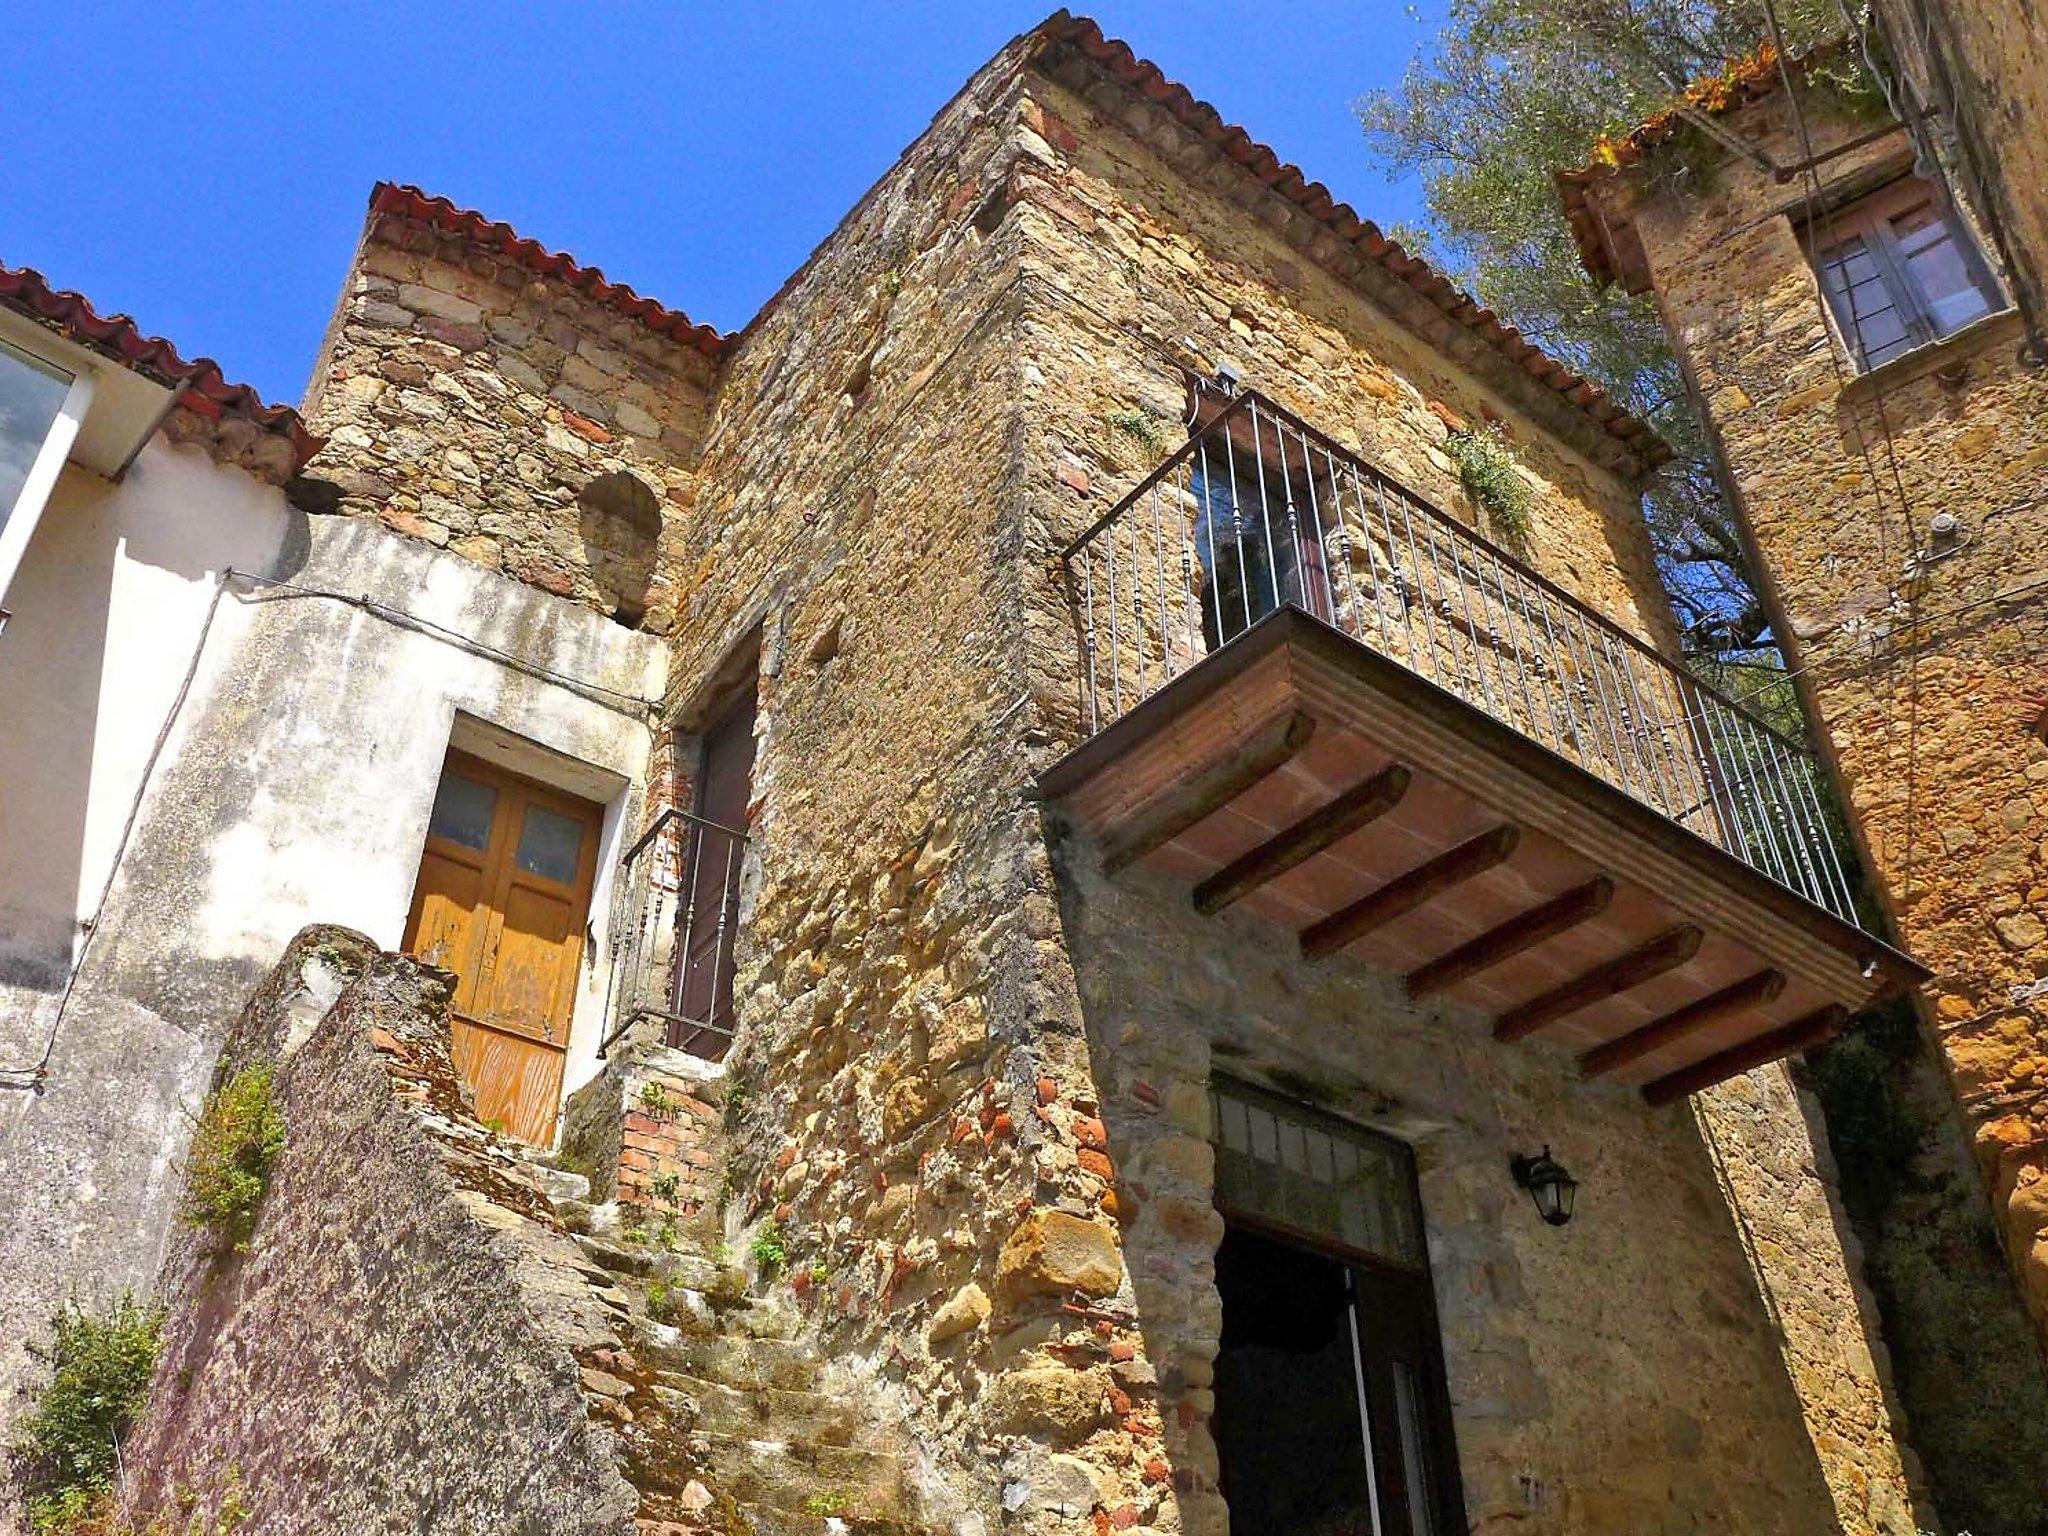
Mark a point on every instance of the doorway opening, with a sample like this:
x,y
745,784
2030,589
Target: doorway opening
x,y
713,861
1332,1417
502,900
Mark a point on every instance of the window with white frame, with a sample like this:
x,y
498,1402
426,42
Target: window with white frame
x,y
32,394
1900,269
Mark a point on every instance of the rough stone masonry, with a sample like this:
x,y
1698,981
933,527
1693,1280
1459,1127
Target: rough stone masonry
x,y
971,1075
1917,647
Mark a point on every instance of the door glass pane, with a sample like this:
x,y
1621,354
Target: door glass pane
x,y
31,394
1295,1449
1864,307
1935,259
550,844
1315,1176
1249,561
463,809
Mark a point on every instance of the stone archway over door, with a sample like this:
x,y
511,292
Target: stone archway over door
x,y
502,898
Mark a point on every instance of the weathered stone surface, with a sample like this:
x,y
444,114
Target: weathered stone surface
x,y
967,1308
1065,1405
470,375
386,1216
1918,658
1057,1252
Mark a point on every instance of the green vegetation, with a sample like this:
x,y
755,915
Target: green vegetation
x,y
664,1301
657,1101
236,1142
770,1249
67,1446
1141,426
1488,467
833,1502
1507,93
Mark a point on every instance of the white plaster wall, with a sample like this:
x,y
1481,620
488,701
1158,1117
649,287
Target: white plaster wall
x,y
294,787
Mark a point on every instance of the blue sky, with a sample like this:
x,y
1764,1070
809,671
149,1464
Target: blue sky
x,y
206,169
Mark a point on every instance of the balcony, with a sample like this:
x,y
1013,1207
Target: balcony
x,y
1316,696
673,945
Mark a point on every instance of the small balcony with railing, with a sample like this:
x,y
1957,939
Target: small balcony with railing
x,y
1314,696
673,956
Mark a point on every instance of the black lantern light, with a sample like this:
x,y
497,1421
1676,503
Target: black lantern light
x,y
1548,1185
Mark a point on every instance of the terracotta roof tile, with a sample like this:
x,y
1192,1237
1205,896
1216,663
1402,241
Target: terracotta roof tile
x,y
1744,80
408,202
207,391
1314,199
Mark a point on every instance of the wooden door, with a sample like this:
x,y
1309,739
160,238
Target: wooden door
x,y
502,898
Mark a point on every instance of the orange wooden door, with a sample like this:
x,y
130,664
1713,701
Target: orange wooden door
x,y
502,898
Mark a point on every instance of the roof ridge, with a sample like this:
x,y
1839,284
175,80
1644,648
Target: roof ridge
x,y
205,388
403,200
1316,200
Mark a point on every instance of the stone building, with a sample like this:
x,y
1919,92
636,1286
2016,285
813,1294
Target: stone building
x,y
1880,420
1019,803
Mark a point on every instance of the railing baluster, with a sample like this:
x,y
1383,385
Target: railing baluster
x,y
1511,641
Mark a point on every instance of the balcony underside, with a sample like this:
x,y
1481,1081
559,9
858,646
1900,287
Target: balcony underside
x,y
1298,775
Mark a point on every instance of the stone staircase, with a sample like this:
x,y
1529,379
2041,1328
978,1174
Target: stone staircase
x,y
719,1405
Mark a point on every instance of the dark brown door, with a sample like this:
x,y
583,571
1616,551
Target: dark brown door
x,y
713,849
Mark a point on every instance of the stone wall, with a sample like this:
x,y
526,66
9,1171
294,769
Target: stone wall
x,y
498,410
935,1118
651,1116
1687,1355
1918,655
398,1347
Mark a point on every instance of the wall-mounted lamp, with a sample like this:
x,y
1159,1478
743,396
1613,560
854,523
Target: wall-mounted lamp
x,y
1548,1185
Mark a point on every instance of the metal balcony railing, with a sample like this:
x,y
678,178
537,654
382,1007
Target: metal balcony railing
x,y
672,948
1258,509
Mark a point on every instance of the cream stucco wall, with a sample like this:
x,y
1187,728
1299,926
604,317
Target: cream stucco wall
x,y
294,786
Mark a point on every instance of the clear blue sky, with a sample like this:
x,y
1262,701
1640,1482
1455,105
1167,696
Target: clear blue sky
x,y
206,168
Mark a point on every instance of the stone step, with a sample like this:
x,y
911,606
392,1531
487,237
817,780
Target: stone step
x,y
659,1517
745,1364
797,1476
557,1184
696,1403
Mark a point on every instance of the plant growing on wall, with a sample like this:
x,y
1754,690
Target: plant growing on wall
x,y
770,1250
1488,467
234,1146
66,1446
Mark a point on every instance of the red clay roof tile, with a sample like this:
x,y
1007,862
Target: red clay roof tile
x,y
1314,199
117,337
410,202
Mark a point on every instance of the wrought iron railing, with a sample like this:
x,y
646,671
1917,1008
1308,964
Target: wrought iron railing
x,y
672,946
1258,509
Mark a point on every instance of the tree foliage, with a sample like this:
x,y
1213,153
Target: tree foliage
x,y
1510,92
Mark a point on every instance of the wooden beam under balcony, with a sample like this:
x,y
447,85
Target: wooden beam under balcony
x,y
1666,952
1327,824
1501,943
1425,883
1502,882
1800,1035
1750,992
1206,789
